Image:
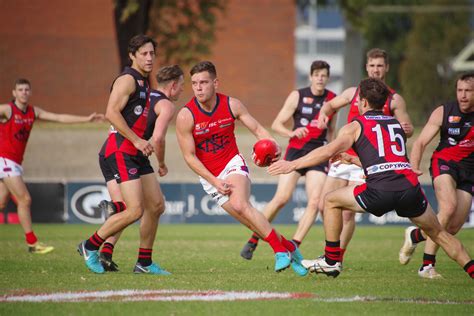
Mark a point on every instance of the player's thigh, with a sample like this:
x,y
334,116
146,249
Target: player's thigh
x,y
427,221
152,193
445,191
17,188
330,185
132,193
114,190
314,184
286,185
240,190
4,193
463,209
343,198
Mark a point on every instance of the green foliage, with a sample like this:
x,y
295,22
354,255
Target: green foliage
x,y
185,29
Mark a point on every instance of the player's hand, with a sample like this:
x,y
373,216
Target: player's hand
x,y
96,117
222,186
145,147
407,128
278,153
323,120
417,171
300,132
162,170
280,167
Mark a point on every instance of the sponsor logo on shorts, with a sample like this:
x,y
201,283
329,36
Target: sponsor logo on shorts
x,y
454,119
454,131
117,176
306,110
244,168
304,121
444,167
138,110
308,100
388,166
133,171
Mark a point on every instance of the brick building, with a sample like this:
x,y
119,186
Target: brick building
x,y
68,50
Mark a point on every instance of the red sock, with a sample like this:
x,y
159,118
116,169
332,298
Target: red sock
x,y
332,252
274,242
254,239
287,244
107,249
119,206
144,256
31,238
469,268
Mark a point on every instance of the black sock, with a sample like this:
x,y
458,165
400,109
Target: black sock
x,y
429,259
416,236
254,239
144,257
107,250
297,242
94,242
469,268
332,252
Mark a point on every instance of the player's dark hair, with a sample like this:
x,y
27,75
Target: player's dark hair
x,y
377,53
21,81
138,41
169,73
204,66
374,91
319,64
467,76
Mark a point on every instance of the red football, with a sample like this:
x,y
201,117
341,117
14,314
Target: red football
x,y
264,151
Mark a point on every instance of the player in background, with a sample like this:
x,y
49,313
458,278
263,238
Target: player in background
x,y
452,170
341,174
391,184
170,81
16,121
205,131
302,106
126,154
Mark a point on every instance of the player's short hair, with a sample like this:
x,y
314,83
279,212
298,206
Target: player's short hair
x,y
375,91
169,73
20,81
138,41
377,53
467,76
204,66
319,64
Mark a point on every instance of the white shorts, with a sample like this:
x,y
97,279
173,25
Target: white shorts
x,y
352,172
236,165
9,168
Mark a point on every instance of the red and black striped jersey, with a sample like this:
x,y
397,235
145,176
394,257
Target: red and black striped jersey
x,y
135,113
306,115
213,133
456,142
354,109
381,148
15,132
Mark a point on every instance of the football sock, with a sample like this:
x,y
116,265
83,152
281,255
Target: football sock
x,y
107,250
469,268
428,259
274,242
297,242
332,252
254,239
31,238
94,242
287,244
416,236
144,256
119,206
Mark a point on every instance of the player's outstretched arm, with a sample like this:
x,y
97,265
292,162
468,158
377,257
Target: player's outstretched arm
x,y
5,112
165,111
285,114
67,118
430,130
344,140
400,112
184,133
334,105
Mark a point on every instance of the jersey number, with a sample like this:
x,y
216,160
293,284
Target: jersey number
x,y
394,137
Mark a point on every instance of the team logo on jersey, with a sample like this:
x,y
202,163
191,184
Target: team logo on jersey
x,y
22,135
142,95
454,131
304,121
138,110
214,143
452,141
454,119
306,110
308,100
140,83
200,126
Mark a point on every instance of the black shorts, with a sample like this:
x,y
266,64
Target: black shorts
x,y
293,154
463,177
407,203
123,167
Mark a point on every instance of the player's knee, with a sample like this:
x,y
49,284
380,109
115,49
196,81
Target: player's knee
x,y
134,214
281,200
158,208
24,200
240,207
453,228
313,205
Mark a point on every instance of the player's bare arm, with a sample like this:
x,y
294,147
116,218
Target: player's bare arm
x,y
344,140
5,112
164,110
123,87
399,108
331,135
67,118
334,105
430,130
184,133
285,114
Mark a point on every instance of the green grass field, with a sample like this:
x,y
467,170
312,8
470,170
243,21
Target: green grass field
x,y
206,257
